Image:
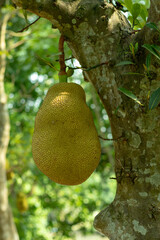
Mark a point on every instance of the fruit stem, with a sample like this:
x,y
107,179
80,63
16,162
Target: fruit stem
x,y
62,73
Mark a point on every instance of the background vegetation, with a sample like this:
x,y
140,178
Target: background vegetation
x,y
51,210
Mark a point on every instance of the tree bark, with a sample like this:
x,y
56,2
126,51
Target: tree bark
x,y
7,226
98,33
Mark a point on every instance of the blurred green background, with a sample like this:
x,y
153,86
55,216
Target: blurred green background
x,y
49,210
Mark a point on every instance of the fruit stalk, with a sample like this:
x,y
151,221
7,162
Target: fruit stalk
x,y
62,73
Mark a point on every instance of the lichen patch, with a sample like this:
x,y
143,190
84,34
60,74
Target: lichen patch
x,y
139,228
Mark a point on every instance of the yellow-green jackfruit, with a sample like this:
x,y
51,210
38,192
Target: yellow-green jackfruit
x,y
65,142
22,203
10,175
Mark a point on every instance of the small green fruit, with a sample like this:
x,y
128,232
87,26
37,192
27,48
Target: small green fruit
x,y
70,72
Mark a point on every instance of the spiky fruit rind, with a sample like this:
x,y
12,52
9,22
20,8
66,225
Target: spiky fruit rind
x,y
65,143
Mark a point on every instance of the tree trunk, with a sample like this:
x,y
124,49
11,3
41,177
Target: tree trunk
x,y
7,226
99,36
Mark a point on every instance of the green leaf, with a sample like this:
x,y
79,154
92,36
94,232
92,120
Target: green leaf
x,y
152,49
121,1
147,3
148,61
136,47
152,26
123,63
156,47
137,23
130,18
133,73
136,8
154,99
25,14
128,4
131,47
43,61
4,52
144,13
129,94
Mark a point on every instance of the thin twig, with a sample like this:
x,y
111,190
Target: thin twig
x,y
16,34
29,25
110,139
95,66
135,31
90,68
17,44
57,60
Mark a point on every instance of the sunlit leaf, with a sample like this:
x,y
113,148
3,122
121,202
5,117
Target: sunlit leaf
x,y
128,4
136,8
147,3
152,49
4,52
137,23
144,12
129,94
154,99
130,18
121,1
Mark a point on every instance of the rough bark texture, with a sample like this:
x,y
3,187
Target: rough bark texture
x,y
7,226
96,32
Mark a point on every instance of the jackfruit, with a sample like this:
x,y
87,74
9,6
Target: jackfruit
x,y
10,175
7,165
22,203
65,142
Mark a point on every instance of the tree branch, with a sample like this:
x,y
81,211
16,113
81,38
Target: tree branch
x,y
3,47
58,12
48,9
16,44
93,29
26,27
61,56
7,226
154,11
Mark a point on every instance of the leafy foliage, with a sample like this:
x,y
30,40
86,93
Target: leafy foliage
x,y
152,26
137,11
154,49
54,211
154,99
